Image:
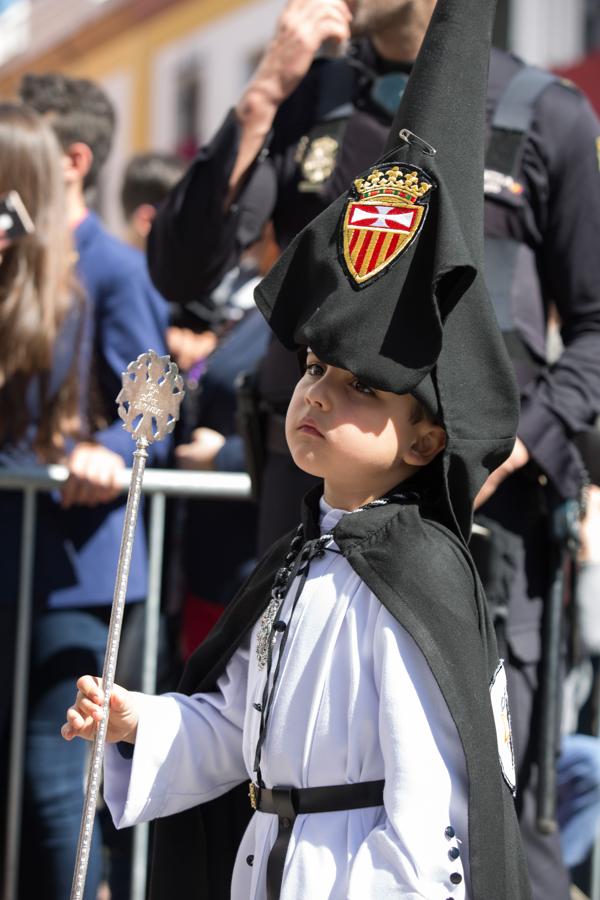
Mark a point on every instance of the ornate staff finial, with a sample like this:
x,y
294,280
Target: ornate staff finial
x,y
151,396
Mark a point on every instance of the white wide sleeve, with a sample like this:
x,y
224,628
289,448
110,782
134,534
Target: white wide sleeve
x,y
188,750
420,850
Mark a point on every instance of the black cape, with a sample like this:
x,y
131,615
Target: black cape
x,y
423,574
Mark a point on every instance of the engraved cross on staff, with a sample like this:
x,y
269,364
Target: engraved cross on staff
x,y
149,403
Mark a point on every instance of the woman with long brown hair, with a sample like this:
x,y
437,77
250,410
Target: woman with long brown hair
x,y
38,294
45,353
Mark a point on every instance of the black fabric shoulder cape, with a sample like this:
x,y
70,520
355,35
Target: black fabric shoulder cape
x,y
422,573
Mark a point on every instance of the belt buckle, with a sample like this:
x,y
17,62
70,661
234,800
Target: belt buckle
x,y
253,793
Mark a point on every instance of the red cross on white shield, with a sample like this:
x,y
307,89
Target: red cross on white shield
x,y
375,233
386,218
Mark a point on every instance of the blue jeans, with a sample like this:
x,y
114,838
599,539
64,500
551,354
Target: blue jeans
x,y
65,644
578,796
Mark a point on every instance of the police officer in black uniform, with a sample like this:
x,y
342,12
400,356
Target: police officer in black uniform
x,y
542,190
308,136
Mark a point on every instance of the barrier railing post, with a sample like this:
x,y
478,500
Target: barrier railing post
x,y
156,534
16,764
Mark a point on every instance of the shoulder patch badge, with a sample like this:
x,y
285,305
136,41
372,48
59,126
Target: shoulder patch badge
x,y
385,211
497,183
499,698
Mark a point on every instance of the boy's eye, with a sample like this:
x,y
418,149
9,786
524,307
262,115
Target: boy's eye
x,y
362,388
315,369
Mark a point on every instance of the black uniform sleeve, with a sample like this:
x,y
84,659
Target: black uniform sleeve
x,y
193,241
566,398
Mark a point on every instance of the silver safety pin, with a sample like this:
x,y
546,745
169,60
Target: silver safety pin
x,y
410,138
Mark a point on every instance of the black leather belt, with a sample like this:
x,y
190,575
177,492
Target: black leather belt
x,y
287,803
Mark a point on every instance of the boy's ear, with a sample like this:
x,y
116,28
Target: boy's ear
x,y
429,441
77,162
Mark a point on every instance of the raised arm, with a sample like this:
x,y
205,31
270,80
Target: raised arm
x,y
301,30
196,235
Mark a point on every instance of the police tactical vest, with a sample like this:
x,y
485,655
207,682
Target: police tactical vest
x,y
511,270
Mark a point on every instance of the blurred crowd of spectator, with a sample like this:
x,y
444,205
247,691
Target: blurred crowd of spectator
x,y
76,306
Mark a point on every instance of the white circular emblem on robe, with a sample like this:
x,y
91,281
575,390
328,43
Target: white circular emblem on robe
x,y
500,707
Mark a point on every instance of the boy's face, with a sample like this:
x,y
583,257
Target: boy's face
x,y
361,441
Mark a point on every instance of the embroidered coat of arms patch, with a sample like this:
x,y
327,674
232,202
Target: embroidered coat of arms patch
x,y
384,213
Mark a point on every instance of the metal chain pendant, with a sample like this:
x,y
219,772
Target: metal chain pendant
x,y
278,592
266,634
265,631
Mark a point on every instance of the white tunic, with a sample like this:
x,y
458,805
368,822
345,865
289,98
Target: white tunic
x,y
355,701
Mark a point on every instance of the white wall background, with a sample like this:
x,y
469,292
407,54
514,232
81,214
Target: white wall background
x,y
119,88
221,51
547,32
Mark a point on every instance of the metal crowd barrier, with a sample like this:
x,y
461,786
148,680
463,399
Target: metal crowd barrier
x,y
159,484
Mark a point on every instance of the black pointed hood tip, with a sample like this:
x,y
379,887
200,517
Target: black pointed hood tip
x,y
387,281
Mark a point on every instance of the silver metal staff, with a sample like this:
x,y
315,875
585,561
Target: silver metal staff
x,y
149,404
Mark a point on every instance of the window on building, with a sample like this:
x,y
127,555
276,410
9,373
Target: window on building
x,y
188,100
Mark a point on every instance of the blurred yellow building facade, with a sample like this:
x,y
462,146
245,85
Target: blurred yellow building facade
x,y
171,67
128,39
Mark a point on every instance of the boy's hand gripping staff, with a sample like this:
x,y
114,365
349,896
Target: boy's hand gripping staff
x,y
149,404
